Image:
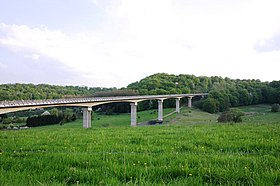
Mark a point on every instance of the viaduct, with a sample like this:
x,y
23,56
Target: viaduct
x,y
88,103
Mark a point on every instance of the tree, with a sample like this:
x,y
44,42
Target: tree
x,y
68,115
244,97
54,111
275,84
210,105
223,103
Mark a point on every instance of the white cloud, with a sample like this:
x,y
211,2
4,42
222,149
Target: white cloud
x,y
80,51
201,37
32,56
2,66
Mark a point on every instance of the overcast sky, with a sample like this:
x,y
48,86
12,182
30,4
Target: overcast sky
x,y
111,43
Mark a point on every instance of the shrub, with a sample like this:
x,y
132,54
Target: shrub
x,y
225,117
275,107
231,116
35,121
7,120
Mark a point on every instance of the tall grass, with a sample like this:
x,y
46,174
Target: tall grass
x,y
170,154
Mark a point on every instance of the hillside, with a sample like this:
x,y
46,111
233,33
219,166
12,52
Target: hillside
x,y
224,92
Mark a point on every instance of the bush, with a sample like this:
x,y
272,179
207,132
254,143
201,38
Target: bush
x,y
8,120
43,120
231,116
275,107
2,126
226,117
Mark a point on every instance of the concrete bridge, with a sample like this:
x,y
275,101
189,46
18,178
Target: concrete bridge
x,y
88,103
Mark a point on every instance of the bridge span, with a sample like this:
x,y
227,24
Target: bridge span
x,y
89,102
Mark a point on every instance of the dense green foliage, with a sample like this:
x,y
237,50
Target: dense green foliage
x,y
180,153
33,118
224,92
55,117
9,120
43,91
210,105
36,121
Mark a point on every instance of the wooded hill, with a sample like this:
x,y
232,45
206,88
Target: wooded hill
x,y
44,91
224,92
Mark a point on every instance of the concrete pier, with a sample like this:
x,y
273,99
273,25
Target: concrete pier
x,y
87,117
178,105
133,120
190,101
160,110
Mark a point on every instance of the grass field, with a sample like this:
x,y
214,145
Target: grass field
x,y
189,149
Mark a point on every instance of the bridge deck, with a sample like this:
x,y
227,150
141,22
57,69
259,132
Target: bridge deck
x,y
26,103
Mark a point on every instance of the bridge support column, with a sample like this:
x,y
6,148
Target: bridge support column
x,y
133,120
87,117
160,110
190,101
178,105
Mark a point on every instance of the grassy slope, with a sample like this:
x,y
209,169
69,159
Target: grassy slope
x,y
178,153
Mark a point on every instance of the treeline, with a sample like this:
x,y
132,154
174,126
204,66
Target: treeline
x,y
43,91
223,92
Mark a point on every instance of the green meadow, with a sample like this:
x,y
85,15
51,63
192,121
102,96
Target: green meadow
x,y
189,148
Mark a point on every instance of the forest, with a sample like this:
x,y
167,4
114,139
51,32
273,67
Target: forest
x,y
44,91
223,92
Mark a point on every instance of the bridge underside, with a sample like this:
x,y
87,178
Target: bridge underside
x,y
133,107
88,103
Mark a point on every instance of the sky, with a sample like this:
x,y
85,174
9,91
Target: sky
x,y
112,43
